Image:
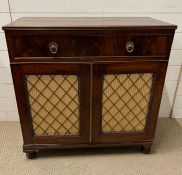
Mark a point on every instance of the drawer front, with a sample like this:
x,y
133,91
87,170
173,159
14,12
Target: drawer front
x,y
78,46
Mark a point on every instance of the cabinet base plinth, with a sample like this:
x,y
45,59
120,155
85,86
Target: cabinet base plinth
x,y
31,149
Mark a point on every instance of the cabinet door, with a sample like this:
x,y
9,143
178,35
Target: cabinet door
x,y
53,101
126,100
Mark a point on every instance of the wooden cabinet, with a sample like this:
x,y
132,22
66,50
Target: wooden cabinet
x,y
88,82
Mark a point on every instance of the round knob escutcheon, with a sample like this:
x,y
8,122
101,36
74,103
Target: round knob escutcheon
x,y
130,46
53,47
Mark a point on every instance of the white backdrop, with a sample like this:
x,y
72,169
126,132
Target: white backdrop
x,y
167,10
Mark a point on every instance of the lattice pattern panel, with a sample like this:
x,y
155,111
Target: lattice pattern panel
x,y
125,102
54,104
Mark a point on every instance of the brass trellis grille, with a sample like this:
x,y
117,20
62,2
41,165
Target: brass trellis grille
x,y
54,104
125,102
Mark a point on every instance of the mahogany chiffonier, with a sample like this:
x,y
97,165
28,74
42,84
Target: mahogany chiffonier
x,y
88,82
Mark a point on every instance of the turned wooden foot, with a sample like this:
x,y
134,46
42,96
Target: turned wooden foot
x,y
31,155
146,149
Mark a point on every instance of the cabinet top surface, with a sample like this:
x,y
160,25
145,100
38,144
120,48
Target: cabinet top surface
x,y
87,22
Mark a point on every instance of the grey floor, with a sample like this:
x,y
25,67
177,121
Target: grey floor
x,y
165,159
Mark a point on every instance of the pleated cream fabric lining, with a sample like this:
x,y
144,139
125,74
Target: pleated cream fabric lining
x,y
125,102
54,104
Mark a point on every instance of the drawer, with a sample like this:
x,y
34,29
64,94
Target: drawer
x,y
81,46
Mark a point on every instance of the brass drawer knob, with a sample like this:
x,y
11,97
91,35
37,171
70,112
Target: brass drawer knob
x,y
130,46
53,47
